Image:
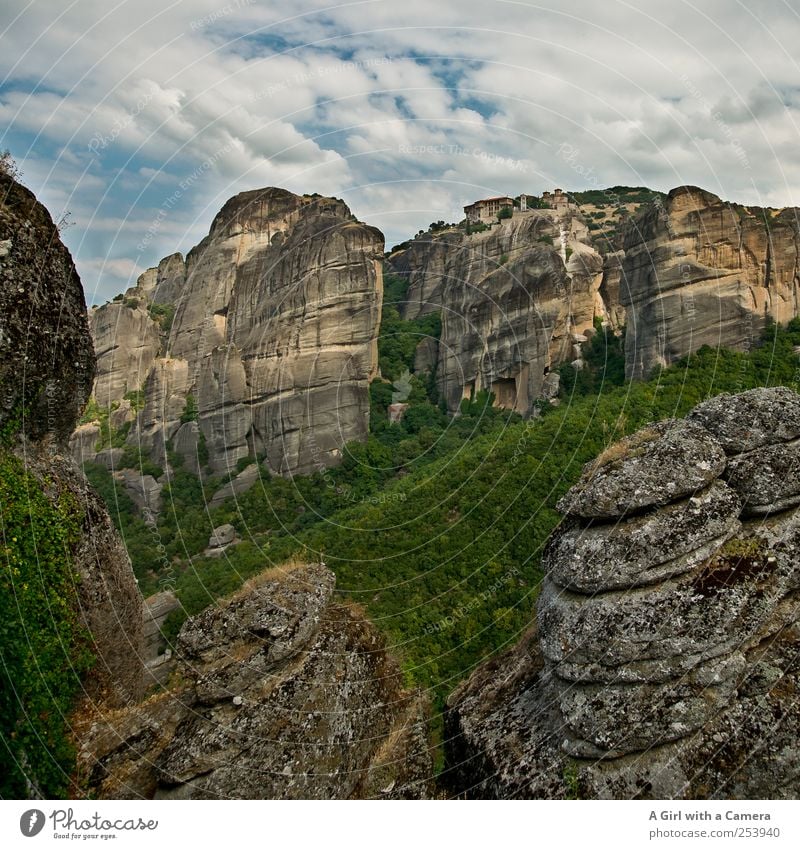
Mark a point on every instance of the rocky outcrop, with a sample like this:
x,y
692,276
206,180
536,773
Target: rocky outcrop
x,y
611,287
144,490
426,263
665,664
237,486
46,372
698,271
46,357
221,539
162,284
157,656
514,299
284,694
266,336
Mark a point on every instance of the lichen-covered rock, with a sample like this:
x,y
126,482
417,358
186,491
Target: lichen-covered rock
x,y
659,464
674,676
609,720
768,479
287,695
751,419
46,358
645,549
658,632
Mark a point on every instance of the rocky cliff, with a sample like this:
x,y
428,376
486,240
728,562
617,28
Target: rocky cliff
x,y
56,532
699,271
261,343
281,693
680,271
665,660
516,300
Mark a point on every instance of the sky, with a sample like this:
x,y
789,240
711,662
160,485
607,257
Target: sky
x,y
140,119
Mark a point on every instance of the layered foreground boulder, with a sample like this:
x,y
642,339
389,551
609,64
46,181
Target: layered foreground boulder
x,y
279,693
665,664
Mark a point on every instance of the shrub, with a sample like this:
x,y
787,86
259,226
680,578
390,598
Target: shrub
x,y
8,165
163,315
190,413
136,398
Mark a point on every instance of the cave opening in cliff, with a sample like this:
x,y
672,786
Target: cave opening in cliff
x,y
504,390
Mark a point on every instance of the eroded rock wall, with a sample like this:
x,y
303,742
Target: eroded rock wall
x,y
46,372
698,271
515,302
273,336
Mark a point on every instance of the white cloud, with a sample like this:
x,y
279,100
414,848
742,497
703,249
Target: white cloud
x,y
110,107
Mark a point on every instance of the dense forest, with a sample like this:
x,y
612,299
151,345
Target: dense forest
x,y
436,524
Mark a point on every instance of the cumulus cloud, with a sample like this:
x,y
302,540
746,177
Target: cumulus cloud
x,y
407,111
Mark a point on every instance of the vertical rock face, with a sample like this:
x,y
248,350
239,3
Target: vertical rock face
x,y
274,335
426,265
127,342
46,371
667,640
515,300
46,358
698,271
287,695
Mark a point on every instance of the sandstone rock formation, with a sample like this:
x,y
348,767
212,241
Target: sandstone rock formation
x,y
272,327
514,300
127,342
283,694
46,372
698,271
665,664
